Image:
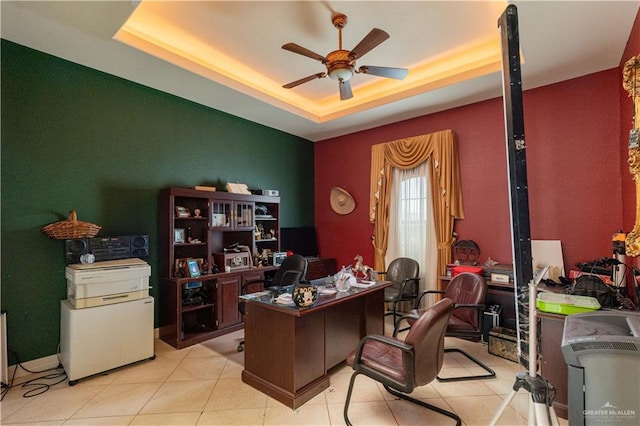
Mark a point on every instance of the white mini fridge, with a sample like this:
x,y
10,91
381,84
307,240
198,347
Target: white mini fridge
x,y
94,340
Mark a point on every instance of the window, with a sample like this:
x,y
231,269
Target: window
x,y
411,227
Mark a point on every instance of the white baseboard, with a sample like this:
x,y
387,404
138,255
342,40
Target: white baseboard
x,y
48,362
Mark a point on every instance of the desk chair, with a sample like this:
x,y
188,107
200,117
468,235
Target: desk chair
x,y
404,273
401,366
292,270
468,291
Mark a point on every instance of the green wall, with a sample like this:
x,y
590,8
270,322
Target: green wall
x,y
76,138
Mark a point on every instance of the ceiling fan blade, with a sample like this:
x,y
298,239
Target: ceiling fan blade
x,y
371,40
296,48
345,90
304,80
389,72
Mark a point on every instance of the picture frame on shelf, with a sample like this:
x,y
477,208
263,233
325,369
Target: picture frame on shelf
x,y
193,268
180,267
179,235
182,212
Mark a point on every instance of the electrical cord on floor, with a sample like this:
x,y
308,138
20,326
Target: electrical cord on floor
x,y
56,373
40,388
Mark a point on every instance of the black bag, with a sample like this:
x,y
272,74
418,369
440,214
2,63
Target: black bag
x,y
593,286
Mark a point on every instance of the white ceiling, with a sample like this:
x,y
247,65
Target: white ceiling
x,y
228,56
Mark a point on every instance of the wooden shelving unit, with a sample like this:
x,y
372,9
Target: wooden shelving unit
x,y
199,225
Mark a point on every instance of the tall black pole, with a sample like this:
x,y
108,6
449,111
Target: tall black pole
x,y
542,393
516,147
517,163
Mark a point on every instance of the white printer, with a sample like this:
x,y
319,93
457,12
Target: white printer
x,y
108,282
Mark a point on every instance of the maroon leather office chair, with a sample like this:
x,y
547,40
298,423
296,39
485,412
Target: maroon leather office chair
x,y
468,291
404,273
401,366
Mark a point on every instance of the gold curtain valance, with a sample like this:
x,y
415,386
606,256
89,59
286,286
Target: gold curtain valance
x,y
441,149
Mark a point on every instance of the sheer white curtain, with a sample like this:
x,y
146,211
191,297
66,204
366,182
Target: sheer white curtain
x,y
411,225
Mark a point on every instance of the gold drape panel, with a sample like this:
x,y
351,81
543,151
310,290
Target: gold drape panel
x,y
441,148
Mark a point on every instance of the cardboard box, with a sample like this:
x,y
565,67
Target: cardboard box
x,y
503,342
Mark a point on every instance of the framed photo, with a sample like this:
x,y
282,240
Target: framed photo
x,y
182,212
180,267
193,268
178,235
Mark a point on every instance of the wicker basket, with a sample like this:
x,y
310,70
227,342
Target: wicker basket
x,y
71,228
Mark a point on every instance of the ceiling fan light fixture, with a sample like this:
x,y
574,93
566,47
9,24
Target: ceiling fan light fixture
x,y
341,74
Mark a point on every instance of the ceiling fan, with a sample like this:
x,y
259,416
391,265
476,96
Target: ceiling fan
x,y
341,64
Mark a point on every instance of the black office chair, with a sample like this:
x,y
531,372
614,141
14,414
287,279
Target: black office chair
x,y
401,366
468,291
404,273
292,270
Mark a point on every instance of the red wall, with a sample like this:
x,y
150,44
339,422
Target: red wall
x,y
573,159
580,189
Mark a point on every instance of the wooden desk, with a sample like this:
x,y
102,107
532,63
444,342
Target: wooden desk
x,y
288,351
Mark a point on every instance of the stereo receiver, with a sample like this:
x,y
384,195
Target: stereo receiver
x,y
107,248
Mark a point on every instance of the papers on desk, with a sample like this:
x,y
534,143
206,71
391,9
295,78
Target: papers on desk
x,y
284,299
363,284
255,295
324,290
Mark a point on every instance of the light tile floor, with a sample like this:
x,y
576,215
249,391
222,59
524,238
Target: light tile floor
x,y
201,385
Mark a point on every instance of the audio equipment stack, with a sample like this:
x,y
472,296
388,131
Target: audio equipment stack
x,y
107,248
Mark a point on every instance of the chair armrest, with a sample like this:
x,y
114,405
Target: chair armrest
x,y
468,305
424,293
391,341
479,308
243,288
